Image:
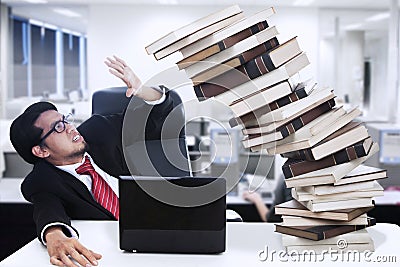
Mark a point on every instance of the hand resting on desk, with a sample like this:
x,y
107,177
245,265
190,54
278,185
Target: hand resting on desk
x,y
62,248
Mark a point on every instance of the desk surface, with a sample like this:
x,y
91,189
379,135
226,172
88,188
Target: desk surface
x,y
245,241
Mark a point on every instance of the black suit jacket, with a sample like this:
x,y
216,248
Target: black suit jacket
x,y
57,196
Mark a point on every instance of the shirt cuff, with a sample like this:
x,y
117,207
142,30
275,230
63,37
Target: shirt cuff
x,y
160,89
72,232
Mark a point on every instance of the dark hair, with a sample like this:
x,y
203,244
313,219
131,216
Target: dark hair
x,y
24,135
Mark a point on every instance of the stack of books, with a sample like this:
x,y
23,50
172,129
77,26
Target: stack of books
x,y
239,61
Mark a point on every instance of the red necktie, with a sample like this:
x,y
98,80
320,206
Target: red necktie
x,y
102,192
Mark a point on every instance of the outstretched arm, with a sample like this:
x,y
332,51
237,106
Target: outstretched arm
x,y
120,69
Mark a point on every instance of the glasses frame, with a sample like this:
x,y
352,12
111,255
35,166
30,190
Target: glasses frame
x,y
59,126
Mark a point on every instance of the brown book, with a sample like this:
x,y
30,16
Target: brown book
x,y
321,232
356,150
299,122
294,167
294,208
288,113
281,74
221,58
299,93
291,127
237,76
222,45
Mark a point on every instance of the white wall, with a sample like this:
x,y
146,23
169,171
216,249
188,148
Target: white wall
x,y
126,30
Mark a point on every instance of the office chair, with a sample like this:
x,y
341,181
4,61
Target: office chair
x,y
166,157
113,100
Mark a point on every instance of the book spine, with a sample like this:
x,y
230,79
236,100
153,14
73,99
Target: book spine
x,y
345,155
224,44
232,40
291,169
306,118
347,229
293,97
252,66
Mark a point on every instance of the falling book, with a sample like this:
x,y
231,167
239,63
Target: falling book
x,y
300,122
258,99
329,175
282,73
296,167
225,33
360,149
304,139
197,36
322,231
291,127
222,45
216,60
294,109
192,28
210,84
294,208
361,174
298,93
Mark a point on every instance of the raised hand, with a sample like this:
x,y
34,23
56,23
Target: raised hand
x,y
120,69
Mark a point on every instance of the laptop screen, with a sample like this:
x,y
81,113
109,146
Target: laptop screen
x,y
172,203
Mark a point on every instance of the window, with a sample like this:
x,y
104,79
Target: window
x,y
45,64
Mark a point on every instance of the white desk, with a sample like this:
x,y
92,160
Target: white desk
x,y
244,242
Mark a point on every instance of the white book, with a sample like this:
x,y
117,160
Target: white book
x,y
259,99
301,195
330,175
316,206
227,32
303,221
192,28
197,36
335,189
298,107
336,113
261,139
356,237
278,75
362,173
238,48
303,138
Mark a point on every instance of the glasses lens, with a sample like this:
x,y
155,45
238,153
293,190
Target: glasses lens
x,y
69,118
59,127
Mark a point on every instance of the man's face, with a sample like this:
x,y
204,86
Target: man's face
x,y
62,148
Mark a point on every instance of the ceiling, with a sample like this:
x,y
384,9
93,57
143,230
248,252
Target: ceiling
x,y
316,3
74,13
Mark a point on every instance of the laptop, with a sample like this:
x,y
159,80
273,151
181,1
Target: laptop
x,y
172,215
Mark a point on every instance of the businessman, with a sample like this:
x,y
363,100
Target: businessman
x,y
75,169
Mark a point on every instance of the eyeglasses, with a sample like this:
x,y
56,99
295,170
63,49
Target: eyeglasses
x,y
59,126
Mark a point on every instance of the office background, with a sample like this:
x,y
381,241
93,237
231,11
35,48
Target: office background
x,y
55,50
